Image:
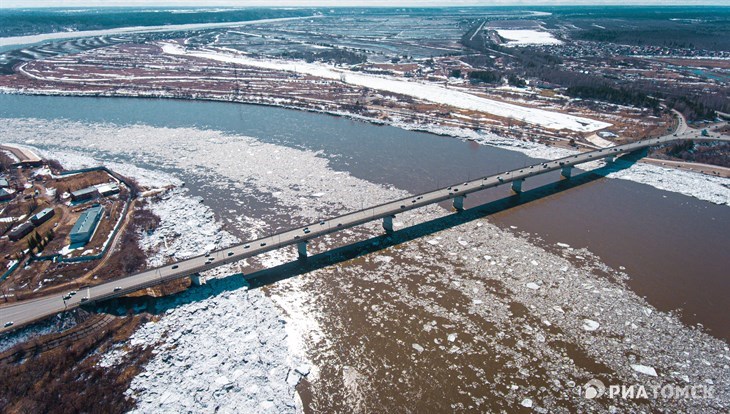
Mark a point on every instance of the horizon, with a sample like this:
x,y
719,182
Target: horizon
x,y
44,4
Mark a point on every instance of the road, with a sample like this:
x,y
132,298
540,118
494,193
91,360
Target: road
x,y
26,312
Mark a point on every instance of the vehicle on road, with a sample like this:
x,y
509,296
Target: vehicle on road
x,y
8,324
117,289
67,297
175,266
85,298
73,292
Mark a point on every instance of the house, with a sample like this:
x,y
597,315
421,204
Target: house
x,y
108,189
5,195
86,225
42,216
20,231
84,194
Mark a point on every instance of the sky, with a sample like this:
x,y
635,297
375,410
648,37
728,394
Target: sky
x,y
333,3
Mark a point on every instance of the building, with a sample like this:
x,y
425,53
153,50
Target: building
x,y
84,194
25,156
4,182
42,216
20,231
5,195
86,225
108,189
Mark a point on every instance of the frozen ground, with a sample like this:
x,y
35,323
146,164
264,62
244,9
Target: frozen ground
x,y
57,324
27,40
528,37
467,318
427,91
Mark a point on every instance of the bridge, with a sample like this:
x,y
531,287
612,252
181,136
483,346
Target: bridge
x,y
26,312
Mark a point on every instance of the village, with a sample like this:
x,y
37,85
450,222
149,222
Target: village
x,y
58,227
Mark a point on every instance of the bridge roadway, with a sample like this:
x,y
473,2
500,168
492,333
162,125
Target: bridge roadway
x,y
32,310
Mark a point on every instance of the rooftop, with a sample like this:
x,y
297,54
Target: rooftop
x,y
87,220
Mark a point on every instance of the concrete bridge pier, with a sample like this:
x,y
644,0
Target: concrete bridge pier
x,y
459,203
302,249
388,223
640,153
197,279
566,171
517,185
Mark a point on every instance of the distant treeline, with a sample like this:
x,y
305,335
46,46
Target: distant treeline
x,y
339,56
614,95
703,152
530,63
493,76
709,35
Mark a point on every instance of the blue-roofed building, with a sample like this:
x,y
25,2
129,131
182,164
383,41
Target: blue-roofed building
x,y
86,225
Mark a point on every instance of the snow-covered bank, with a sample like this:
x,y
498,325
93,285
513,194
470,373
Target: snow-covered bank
x,y
427,91
518,37
33,39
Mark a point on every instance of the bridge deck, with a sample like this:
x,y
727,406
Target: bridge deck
x,y
32,310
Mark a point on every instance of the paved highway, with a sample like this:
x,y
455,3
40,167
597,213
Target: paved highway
x,y
33,310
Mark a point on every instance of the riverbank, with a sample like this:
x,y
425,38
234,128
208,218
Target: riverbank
x,y
715,189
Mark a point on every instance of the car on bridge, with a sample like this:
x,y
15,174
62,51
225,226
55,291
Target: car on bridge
x,y
8,324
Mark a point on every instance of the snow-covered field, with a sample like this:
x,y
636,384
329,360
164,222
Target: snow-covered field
x,y
426,91
32,39
522,37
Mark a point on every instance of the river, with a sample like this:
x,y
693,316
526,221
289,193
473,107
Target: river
x,y
673,247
